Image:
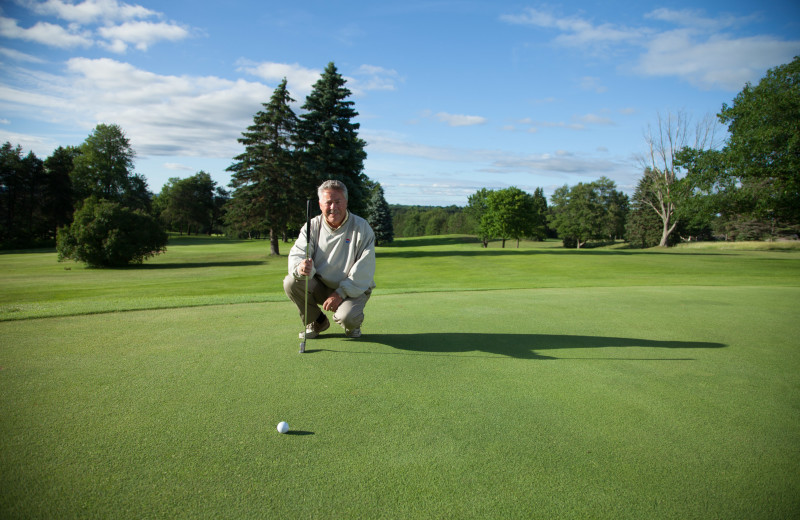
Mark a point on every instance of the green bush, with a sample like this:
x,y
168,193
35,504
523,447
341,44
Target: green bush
x,y
107,234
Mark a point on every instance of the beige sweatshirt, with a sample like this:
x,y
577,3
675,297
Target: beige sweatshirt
x,y
344,258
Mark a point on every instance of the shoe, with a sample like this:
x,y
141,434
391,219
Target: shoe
x,y
314,329
355,333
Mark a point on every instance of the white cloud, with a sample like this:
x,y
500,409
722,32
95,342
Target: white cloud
x,y
460,120
370,77
116,24
163,115
89,11
45,33
177,166
140,34
697,51
716,62
577,31
697,18
299,80
594,119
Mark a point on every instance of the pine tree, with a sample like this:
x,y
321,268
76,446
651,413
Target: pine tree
x,y
331,146
643,227
379,216
265,177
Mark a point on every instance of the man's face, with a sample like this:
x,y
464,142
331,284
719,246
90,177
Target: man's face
x,y
333,206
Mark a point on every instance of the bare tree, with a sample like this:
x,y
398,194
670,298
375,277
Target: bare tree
x,y
674,133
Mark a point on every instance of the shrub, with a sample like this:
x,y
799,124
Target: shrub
x,y
107,234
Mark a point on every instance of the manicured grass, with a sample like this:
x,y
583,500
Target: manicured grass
x,y
488,384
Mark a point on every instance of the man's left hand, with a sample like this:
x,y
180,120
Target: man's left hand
x,y
333,302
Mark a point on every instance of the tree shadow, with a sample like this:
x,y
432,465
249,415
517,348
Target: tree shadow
x,y
520,346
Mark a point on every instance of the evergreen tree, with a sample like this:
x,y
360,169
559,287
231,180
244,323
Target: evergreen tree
x,y
58,200
379,216
539,224
266,180
643,228
331,146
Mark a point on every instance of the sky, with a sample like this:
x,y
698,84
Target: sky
x,y
452,95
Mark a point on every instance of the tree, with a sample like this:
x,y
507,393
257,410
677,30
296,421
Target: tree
x,y
329,137
539,223
615,206
643,227
108,234
509,214
188,203
104,169
673,133
379,216
266,178
577,214
763,150
751,188
58,198
477,207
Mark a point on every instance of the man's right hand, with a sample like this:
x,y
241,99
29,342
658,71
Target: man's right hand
x,y
304,269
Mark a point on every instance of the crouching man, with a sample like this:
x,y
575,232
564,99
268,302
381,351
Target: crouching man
x,y
340,266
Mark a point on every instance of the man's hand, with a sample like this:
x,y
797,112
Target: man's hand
x,y
333,302
304,269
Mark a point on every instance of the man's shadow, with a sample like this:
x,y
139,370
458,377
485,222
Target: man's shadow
x,y
520,346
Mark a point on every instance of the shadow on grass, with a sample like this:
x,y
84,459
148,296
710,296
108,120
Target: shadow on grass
x,y
522,346
478,251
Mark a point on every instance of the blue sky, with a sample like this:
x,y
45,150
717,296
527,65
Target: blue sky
x,y
453,95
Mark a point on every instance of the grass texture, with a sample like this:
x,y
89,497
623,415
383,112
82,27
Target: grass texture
x,y
530,383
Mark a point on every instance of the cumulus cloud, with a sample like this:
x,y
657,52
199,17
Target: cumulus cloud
x,y
718,61
112,24
163,114
140,34
696,48
45,33
299,80
89,11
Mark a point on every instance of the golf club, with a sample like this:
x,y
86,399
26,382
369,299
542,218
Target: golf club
x,y
308,239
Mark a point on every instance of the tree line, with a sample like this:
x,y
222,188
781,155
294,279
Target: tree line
x,y
691,188
88,201
588,211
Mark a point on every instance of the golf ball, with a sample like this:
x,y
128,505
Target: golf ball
x,y
283,427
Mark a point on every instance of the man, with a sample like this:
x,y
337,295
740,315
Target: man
x,y
341,265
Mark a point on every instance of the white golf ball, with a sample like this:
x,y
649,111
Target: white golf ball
x,y
283,427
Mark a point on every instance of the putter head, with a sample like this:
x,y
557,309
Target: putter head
x,y
302,347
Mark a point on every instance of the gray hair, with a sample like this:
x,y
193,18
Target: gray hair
x,y
332,184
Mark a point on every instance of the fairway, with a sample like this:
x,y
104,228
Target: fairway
x,y
519,383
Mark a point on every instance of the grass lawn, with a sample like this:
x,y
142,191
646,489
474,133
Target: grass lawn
x,y
490,383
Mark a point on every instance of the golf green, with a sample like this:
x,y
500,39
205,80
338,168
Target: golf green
x,y
575,401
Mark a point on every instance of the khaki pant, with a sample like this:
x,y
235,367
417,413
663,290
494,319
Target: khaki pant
x,y
349,315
